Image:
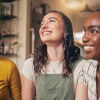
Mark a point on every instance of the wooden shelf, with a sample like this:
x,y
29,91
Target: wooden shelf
x,y
7,17
8,54
7,0
8,35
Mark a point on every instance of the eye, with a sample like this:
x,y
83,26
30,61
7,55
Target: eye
x,y
42,23
52,20
93,31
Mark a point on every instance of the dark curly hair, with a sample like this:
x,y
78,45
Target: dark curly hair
x,y
71,52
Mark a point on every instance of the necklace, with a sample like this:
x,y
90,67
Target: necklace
x,y
55,67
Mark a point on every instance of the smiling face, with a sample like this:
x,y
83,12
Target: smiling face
x,y
91,38
52,29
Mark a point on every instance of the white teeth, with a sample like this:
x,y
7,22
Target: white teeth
x,y
46,33
88,47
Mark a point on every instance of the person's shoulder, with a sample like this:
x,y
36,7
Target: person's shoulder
x,y
85,64
90,66
4,61
28,63
27,69
89,69
80,61
7,65
29,60
91,63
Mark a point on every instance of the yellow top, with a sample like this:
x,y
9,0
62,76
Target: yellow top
x,y
9,80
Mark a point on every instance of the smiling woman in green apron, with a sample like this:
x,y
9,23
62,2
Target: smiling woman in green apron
x,y
55,70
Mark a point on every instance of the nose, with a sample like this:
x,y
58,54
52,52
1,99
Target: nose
x,y
45,25
85,38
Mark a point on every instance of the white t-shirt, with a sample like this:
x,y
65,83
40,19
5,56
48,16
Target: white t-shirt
x,y
85,72
54,67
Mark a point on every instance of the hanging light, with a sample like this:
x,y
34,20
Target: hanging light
x,y
73,3
86,11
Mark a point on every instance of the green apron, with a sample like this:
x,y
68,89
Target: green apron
x,y
54,87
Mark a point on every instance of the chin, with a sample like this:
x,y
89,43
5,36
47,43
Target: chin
x,y
89,56
47,42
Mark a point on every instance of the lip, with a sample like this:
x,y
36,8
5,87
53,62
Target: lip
x,y
46,32
88,49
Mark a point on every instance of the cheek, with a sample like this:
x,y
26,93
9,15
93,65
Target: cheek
x,y
60,29
59,33
59,26
96,41
96,54
97,48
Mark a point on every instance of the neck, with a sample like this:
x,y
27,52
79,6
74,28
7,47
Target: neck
x,y
55,54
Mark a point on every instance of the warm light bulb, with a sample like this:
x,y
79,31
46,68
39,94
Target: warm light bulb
x,y
73,3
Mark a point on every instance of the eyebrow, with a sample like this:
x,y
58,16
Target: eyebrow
x,y
94,26
50,18
53,18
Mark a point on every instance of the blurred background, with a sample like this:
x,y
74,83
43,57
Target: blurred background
x,y
21,19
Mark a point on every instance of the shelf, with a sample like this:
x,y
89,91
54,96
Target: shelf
x,y
8,54
7,0
7,17
8,35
